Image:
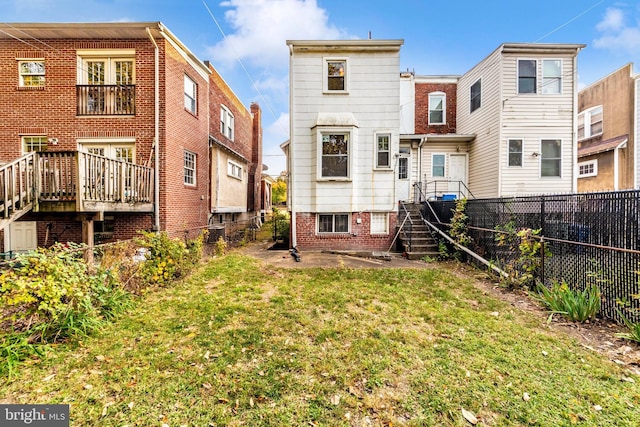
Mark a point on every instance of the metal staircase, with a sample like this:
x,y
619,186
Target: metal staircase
x,y
414,235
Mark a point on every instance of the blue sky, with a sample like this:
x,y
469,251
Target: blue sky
x,y
245,39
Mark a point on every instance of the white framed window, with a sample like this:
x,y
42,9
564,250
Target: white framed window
x,y
234,170
403,163
527,76
190,95
551,158
475,96
333,223
336,75
379,223
590,123
437,165
514,150
31,72
189,168
588,168
334,148
34,143
437,108
226,122
552,76
119,149
383,153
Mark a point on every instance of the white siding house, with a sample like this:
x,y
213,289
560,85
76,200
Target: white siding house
x,y
525,125
345,121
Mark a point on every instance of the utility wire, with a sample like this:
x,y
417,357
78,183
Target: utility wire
x,y
253,83
570,21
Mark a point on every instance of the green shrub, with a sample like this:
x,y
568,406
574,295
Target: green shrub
x,y
221,246
633,329
459,230
578,306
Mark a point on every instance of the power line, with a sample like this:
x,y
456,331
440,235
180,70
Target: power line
x,y
569,21
253,83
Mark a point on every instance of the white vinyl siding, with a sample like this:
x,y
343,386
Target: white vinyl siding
x,y
373,81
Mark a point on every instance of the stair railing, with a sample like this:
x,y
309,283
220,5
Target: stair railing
x,y
407,216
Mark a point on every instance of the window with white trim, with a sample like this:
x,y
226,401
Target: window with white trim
x,y
527,76
379,223
333,223
114,150
590,123
226,122
34,143
475,96
189,168
234,170
403,163
515,152
437,108
551,158
190,95
383,157
106,80
588,168
552,76
335,155
31,73
437,165
335,75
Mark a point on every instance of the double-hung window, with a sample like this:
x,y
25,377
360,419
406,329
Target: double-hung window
x,y
475,96
515,152
333,223
552,76
527,72
226,122
190,95
335,155
31,73
437,165
383,159
189,168
551,159
590,123
335,75
437,108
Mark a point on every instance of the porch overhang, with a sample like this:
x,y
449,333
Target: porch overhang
x,y
603,146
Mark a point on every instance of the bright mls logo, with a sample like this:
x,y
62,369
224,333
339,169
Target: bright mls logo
x,y
34,415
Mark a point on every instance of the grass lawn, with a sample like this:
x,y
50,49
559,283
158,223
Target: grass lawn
x,y
241,343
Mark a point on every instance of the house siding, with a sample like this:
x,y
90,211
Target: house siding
x,y
484,122
372,100
616,93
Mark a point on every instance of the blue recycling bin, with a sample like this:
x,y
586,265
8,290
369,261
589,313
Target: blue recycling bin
x,y
448,197
579,233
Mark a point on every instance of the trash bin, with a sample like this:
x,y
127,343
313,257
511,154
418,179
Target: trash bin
x,y
448,197
579,233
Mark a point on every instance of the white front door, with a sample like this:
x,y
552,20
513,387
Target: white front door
x,y
21,236
458,174
403,175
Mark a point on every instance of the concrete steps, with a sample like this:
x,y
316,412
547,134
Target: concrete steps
x,y
415,237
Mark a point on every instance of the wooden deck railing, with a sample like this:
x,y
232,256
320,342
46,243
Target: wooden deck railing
x,y
91,182
16,188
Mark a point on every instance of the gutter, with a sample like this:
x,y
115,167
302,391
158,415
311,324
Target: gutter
x,y
156,132
290,185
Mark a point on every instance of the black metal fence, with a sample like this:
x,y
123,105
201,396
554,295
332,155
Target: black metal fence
x,y
587,238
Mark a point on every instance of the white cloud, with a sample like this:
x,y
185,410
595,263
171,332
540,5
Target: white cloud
x,y
616,34
261,28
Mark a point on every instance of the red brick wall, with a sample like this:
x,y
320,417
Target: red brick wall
x,y
359,238
422,107
183,206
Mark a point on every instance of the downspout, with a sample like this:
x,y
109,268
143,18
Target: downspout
x,y
290,162
419,160
616,174
574,133
156,131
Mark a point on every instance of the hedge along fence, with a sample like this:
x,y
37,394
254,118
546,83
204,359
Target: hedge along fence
x,y
51,295
586,239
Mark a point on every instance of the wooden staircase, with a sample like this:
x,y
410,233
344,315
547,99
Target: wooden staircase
x,y
415,237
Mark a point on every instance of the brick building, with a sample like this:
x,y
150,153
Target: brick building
x,y
110,125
